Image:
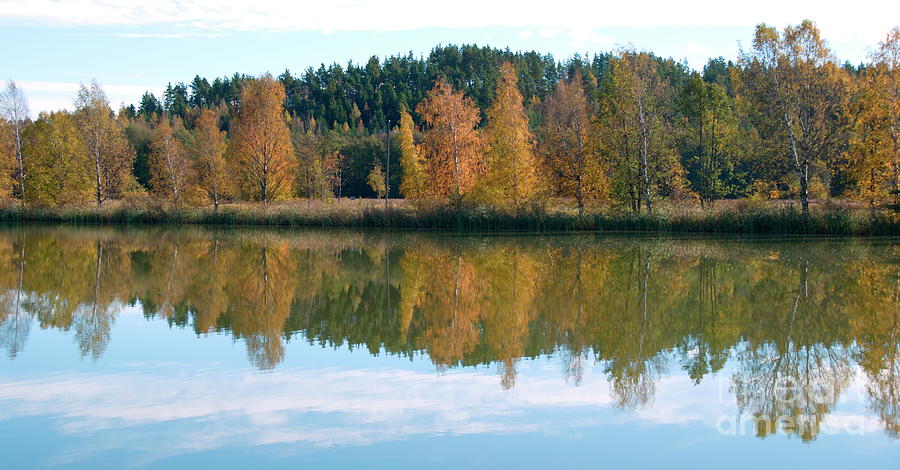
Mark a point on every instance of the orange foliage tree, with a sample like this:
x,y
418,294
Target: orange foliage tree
x,y
451,143
261,144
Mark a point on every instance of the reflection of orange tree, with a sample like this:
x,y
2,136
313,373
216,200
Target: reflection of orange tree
x,y
792,316
450,308
260,290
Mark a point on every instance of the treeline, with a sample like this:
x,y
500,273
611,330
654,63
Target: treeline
x,y
812,315
484,126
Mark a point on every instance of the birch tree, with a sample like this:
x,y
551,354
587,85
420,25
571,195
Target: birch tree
x,y
796,88
13,119
261,142
109,151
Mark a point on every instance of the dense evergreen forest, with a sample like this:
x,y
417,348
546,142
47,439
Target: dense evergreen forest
x,y
785,119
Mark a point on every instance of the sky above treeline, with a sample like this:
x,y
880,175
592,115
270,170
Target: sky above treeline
x,y
132,46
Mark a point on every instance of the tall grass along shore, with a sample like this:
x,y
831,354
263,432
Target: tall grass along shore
x,y
740,217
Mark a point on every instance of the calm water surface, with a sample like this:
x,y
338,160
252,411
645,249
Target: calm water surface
x,y
197,348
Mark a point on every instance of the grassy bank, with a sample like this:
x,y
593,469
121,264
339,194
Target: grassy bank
x,y
736,218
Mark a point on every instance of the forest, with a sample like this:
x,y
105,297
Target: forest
x,y
483,127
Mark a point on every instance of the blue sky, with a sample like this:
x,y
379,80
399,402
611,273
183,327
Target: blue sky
x,y
137,45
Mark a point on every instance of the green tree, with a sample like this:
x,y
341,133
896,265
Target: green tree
x,y
708,128
798,92
632,133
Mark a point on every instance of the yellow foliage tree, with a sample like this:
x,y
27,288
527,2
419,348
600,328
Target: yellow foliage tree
x,y
509,176
261,142
412,186
452,145
7,163
874,154
376,180
104,139
59,172
208,151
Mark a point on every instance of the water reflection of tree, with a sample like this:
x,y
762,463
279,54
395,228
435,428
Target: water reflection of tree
x,y
15,323
877,332
635,306
792,374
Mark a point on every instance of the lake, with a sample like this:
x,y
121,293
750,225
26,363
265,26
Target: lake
x,y
166,348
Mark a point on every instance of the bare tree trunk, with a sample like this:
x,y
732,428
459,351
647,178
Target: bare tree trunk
x,y
645,138
20,160
99,178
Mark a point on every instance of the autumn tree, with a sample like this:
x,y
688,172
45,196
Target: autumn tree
x,y
261,142
566,149
798,92
7,163
105,143
412,185
333,164
311,181
376,180
509,176
632,133
707,131
171,170
451,145
873,157
13,118
208,151
59,170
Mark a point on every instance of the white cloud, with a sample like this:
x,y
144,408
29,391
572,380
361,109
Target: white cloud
x,y
54,96
860,23
586,36
206,407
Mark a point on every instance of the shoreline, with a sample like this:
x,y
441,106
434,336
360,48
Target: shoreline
x,y
785,220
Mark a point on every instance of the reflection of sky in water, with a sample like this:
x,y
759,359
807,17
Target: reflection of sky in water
x,y
197,402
